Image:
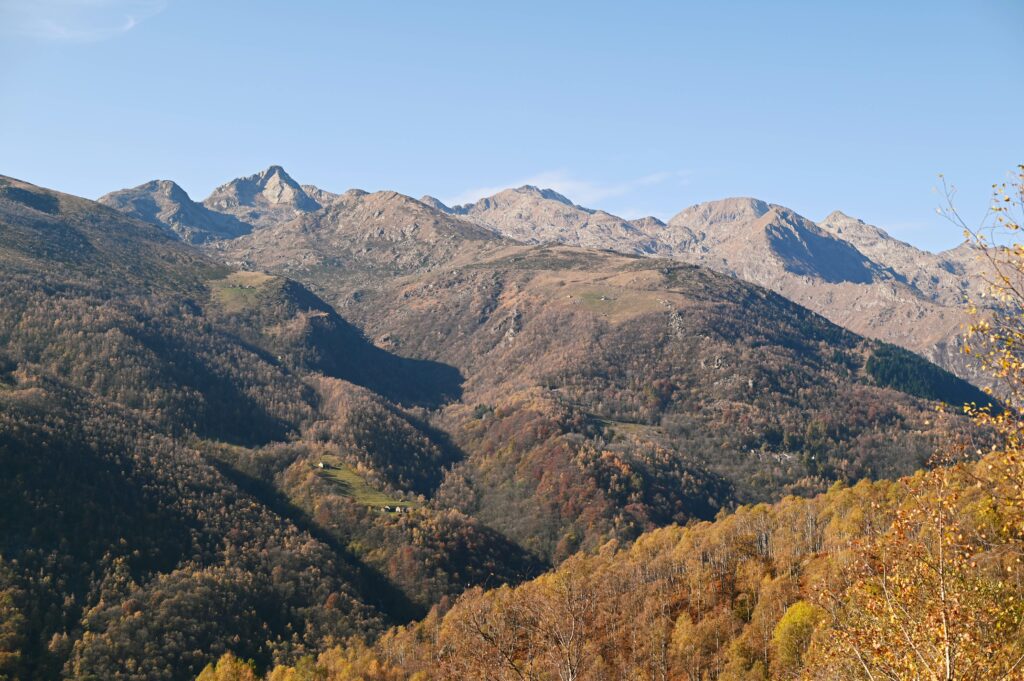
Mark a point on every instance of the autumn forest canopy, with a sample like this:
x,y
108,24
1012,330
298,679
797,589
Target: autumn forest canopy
x,y
285,434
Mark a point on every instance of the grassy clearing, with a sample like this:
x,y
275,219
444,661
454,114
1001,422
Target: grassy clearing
x,y
618,304
240,290
351,484
630,427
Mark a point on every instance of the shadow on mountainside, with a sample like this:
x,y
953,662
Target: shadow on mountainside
x,y
302,329
320,339
403,380
372,585
806,253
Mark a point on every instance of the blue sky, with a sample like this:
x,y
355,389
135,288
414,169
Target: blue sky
x,y
638,108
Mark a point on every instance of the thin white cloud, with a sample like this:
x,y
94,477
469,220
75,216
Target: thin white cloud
x,y
582,192
74,21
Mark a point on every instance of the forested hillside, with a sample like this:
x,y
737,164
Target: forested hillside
x,y
204,460
608,394
915,578
899,580
149,399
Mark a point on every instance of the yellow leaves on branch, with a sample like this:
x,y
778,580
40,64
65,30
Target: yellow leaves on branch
x,y
936,596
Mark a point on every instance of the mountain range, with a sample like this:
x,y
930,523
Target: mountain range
x,y
854,274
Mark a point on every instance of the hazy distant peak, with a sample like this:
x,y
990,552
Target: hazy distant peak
x,y
435,203
168,188
165,203
736,209
648,224
874,241
549,194
321,196
839,222
838,216
527,194
394,205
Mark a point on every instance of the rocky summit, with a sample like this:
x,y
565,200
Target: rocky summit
x,y
163,202
262,199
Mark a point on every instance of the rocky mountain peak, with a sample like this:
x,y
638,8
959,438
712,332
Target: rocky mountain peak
x,y
165,203
435,203
838,216
648,224
841,224
168,188
760,242
321,196
731,210
549,194
527,195
269,188
278,187
872,241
